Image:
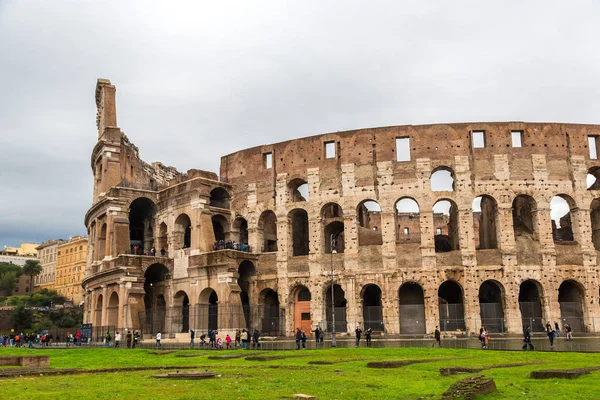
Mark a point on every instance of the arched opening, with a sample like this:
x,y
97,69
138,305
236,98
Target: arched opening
x,y
113,310
595,219
98,311
412,308
332,217
239,232
450,302
101,251
208,309
524,211
182,233
564,222
445,225
270,304
163,243
246,282
141,223
490,306
302,314
339,303
570,299
593,178
298,222
372,309
298,190
369,223
530,305
220,198
181,318
485,211
408,221
220,228
442,180
154,300
267,229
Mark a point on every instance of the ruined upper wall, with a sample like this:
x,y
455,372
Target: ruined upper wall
x,y
437,145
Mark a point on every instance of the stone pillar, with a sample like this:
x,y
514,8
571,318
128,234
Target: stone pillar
x,y
432,315
104,305
506,235
353,303
427,241
388,233
544,227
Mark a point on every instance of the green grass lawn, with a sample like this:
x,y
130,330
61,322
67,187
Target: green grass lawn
x,y
244,379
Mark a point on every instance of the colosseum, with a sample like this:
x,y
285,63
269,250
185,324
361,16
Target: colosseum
x,y
400,229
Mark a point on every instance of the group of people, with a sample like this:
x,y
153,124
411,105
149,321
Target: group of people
x,y
358,334
132,339
551,333
137,250
230,245
21,340
243,339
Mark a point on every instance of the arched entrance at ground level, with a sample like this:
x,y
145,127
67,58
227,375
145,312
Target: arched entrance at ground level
x,y
302,315
570,299
450,303
490,306
372,310
412,309
270,312
113,310
530,305
141,225
247,277
98,311
153,318
181,317
208,313
340,309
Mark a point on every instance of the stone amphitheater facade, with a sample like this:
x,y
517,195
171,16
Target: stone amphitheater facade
x,y
434,225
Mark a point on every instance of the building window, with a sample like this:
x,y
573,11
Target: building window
x,y
517,138
329,149
305,316
438,231
268,160
478,139
406,231
403,149
592,144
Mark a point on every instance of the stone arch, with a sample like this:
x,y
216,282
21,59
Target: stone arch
x,y
239,230
208,301
301,297
113,310
411,299
332,217
372,310
181,317
182,232
571,298
220,198
369,223
340,303
491,306
525,217
298,190
98,310
220,228
101,250
442,179
595,221
141,222
593,178
485,222
246,282
267,231
163,241
269,300
298,232
451,306
408,220
564,218
530,304
445,223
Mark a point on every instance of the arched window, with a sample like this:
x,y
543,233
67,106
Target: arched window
x,y
485,211
369,223
442,180
563,218
408,223
298,190
298,226
220,198
333,227
445,223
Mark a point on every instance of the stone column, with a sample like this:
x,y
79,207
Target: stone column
x,y
353,303
427,241
104,305
506,235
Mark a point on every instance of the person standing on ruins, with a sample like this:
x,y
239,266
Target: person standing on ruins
x,y
438,337
569,331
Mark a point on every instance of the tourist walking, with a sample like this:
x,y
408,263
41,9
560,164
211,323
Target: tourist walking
x,y
304,339
358,333
238,338
107,339
244,336
527,339
298,338
192,335
438,337
128,338
136,338
158,338
255,337
117,339
368,333
569,331
228,341
317,333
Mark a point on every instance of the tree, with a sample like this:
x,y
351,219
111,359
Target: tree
x,y
22,317
8,282
32,268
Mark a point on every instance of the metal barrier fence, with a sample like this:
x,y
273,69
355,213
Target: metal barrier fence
x,y
269,320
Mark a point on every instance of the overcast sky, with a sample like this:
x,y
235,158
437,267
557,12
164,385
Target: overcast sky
x,y
199,80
